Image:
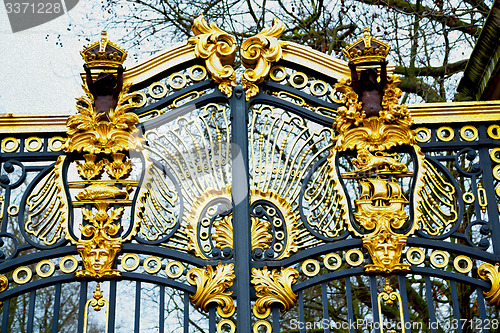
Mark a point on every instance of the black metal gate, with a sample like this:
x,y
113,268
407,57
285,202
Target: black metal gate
x,y
201,205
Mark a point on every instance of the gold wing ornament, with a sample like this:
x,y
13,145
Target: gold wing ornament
x,y
158,204
436,206
324,202
47,209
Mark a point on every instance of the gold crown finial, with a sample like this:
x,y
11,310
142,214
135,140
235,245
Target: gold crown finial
x,y
104,54
366,49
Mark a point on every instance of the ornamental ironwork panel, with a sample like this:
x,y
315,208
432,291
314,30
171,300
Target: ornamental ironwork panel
x,y
298,196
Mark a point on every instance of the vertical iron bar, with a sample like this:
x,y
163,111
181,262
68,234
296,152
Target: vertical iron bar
x,y
404,299
112,306
31,311
211,320
454,300
276,319
5,317
324,299
302,321
137,307
161,320
57,306
430,304
81,307
241,212
482,310
350,307
186,312
374,295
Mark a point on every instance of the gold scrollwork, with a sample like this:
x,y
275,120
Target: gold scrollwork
x,y
273,287
211,287
258,53
389,296
487,271
97,302
218,49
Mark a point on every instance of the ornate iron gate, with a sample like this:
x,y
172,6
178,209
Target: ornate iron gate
x,y
282,204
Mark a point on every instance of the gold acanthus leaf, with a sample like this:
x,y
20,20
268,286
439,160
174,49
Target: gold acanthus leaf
x,y
489,272
88,132
257,54
273,287
211,287
218,49
223,235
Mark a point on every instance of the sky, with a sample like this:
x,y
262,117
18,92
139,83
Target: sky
x,y
39,67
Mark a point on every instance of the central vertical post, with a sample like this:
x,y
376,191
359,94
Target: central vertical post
x,y
241,208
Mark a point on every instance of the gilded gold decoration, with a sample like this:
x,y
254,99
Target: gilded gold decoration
x,y
328,265
487,271
226,323
157,265
130,267
49,272
101,192
277,73
348,257
72,268
273,287
2,205
389,296
28,274
258,53
99,252
464,259
48,207
445,133
262,323
172,266
495,155
9,145
90,170
318,88
494,132
423,134
410,256
218,49
13,210
89,133
469,129
153,87
307,271
97,302
298,80
56,143
482,198
104,53
439,259
118,169
4,283
211,287
28,144
367,49
177,81
468,197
